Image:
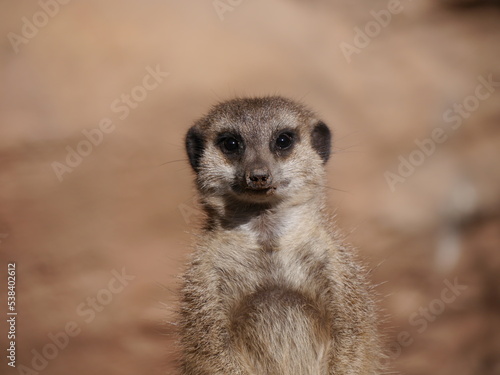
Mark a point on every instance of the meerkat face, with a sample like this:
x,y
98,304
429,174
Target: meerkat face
x,y
258,150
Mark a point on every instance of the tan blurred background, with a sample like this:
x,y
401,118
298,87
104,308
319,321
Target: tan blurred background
x,y
100,232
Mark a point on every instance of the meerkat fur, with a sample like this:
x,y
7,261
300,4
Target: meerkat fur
x,y
270,288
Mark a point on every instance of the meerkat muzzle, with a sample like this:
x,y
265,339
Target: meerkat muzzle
x,y
259,179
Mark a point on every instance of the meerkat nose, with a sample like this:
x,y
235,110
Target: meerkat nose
x,y
259,178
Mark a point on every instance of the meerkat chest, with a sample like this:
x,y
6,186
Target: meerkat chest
x,y
245,267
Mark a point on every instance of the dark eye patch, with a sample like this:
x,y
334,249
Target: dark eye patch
x,y
283,142
230,144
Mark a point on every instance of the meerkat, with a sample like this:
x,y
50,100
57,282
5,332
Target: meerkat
x,y
270,290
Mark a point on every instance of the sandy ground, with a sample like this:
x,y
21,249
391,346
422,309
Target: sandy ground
x,y
100,232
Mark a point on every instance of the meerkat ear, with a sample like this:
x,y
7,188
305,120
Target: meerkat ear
x,y
321,139
195,144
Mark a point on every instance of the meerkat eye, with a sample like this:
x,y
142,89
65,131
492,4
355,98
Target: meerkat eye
x,y
284,141
230,145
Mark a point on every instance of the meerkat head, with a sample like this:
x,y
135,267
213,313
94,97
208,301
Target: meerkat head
x,y
260,150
